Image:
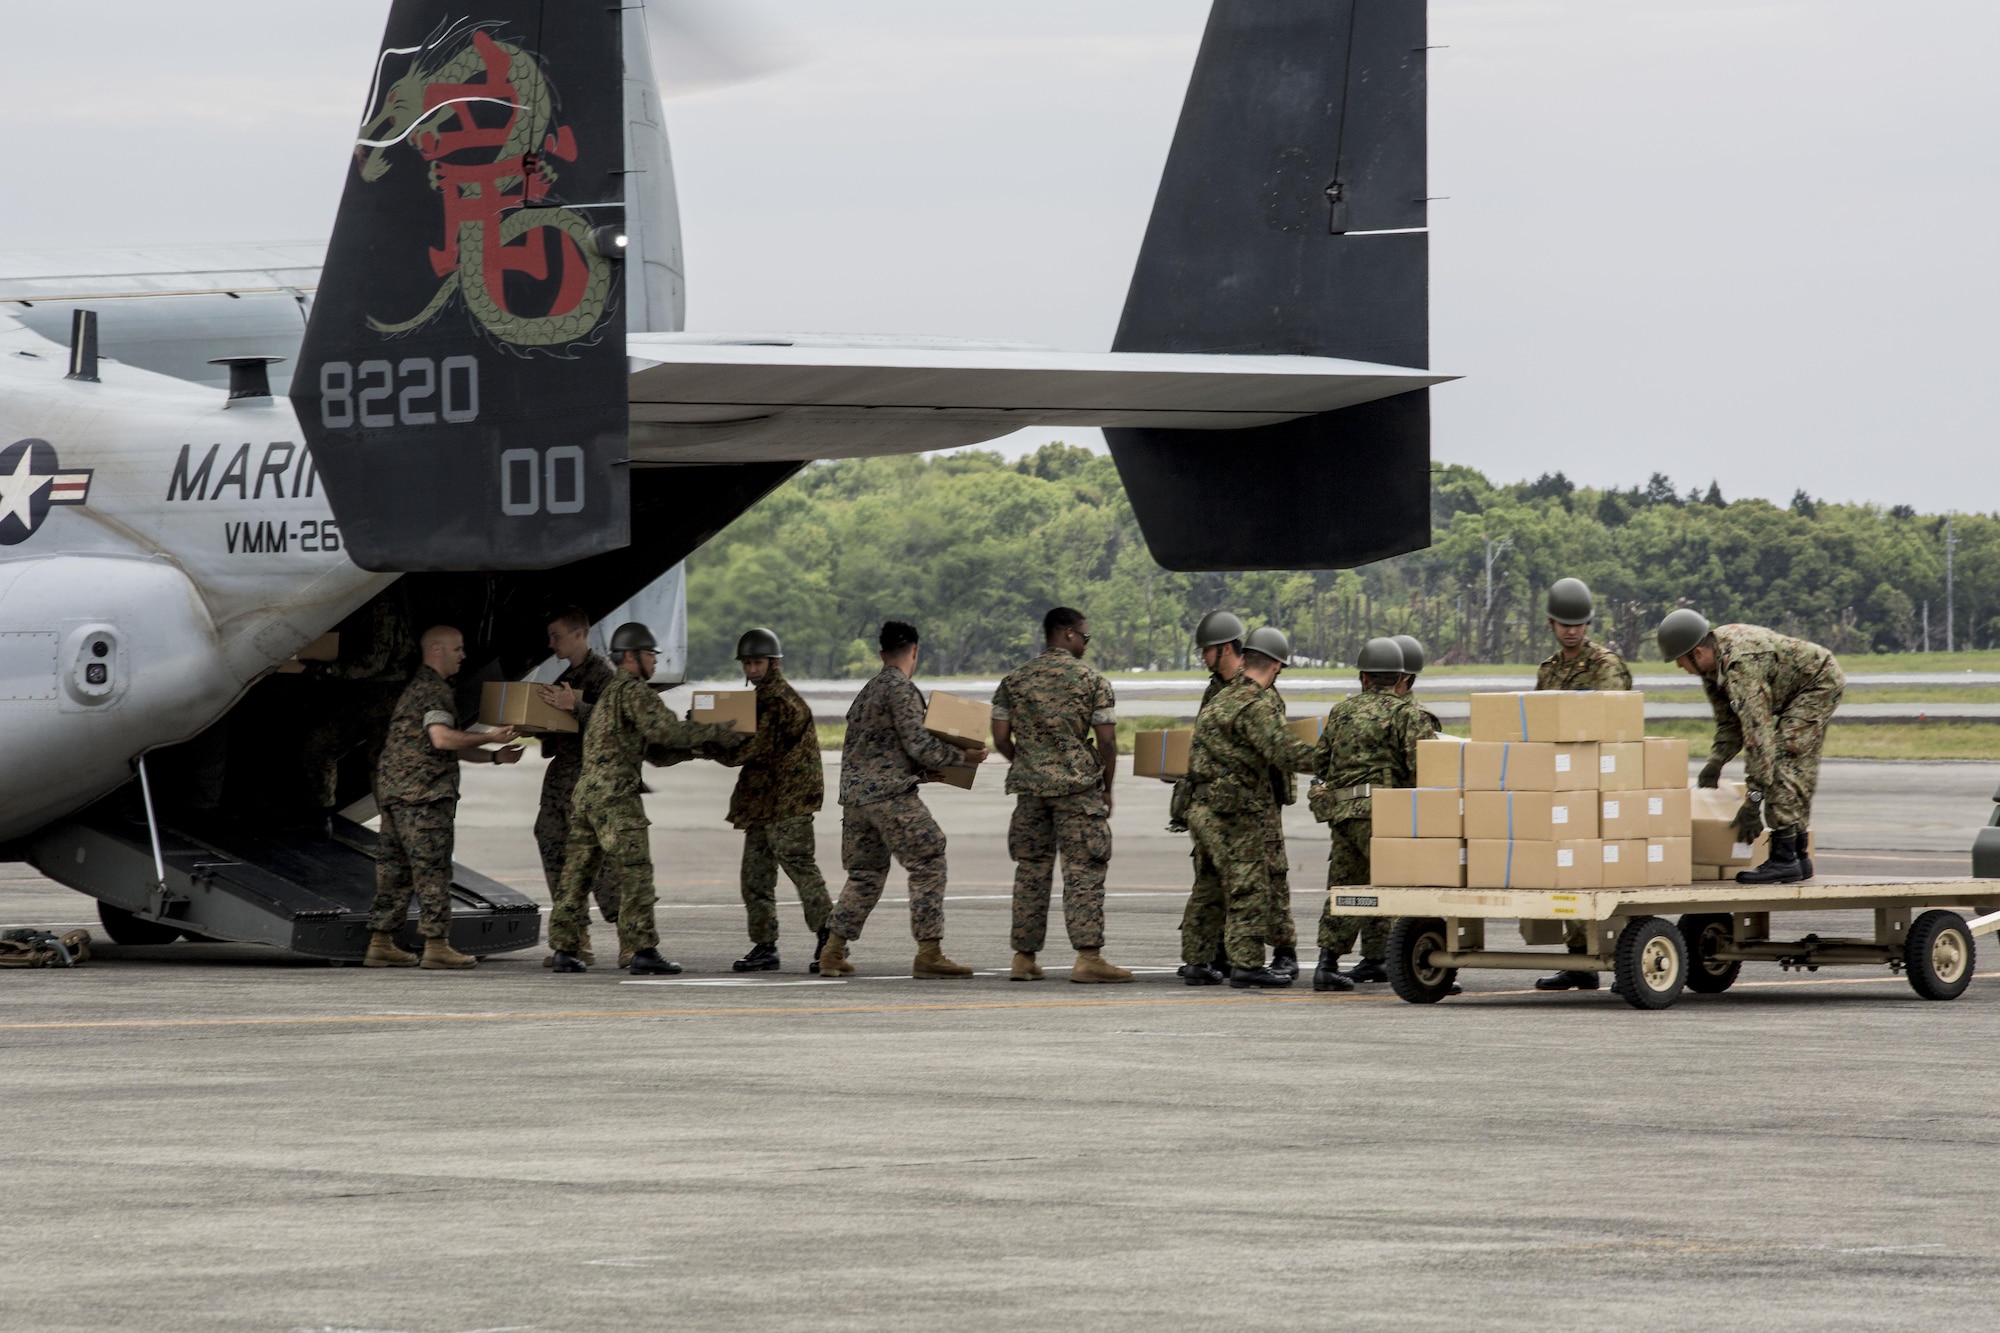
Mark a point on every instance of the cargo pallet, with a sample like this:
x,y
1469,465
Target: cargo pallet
x,y
1716,927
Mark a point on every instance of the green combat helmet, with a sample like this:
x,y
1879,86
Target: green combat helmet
x,y
1384,656
1680,632
1413,653
1218,627
758,643
632,637
1570,603
1270,641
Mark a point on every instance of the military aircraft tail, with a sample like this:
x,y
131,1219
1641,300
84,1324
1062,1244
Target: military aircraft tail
x,y
462,380
1290,220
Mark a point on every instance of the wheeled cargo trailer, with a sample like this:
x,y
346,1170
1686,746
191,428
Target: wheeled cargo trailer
x,y
1658,941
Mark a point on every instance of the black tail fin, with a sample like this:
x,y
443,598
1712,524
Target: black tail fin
x,y
463,378
1289,220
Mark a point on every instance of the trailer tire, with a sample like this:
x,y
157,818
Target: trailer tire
x,y
125,928
1702,931
1411,940
1652,963
1938,955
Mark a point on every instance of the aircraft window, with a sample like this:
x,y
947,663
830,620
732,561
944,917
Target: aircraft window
x,y
100,648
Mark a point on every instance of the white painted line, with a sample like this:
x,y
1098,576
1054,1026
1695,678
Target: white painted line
x,y
737,982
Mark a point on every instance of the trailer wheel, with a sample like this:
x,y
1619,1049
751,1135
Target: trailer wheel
x,y
1702,932
1938,955
1411,976
125,928
1652,963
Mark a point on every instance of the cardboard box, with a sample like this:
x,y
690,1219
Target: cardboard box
x,y
1667,813
1306,729
1666,763
326,648
1575,863
1623,814
1441,762
1534,816
1700,873
1538,715
720,706
513,703
1419,812
1624,863
958,775
1161,754
966,723
1416,863
1712,825
1624,716
1621,766
1529,766
1667,862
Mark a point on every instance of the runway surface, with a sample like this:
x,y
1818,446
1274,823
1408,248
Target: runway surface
x,y
223,1137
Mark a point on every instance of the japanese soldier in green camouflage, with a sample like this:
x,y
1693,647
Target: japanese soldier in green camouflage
x,y
1772,696
416,792
887,754
779,791
1046,716
1578,664
1219,638
608,820
1369,740
575,691
1239,738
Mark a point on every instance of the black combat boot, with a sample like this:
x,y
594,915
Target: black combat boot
x,y
1262,978
648,963
1285,961
566,962
1327,975
819,948
1783,866
761,958
1199,974
1369,969
1570,980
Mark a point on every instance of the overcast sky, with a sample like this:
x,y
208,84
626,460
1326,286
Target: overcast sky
x,y
1742,241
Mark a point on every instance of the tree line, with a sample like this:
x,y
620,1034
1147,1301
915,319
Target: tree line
x,y
974,548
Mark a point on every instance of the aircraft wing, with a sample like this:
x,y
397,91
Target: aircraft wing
x,y
697,399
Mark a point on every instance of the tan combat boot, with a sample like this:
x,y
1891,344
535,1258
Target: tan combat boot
x,y
439,955
833,958
1025,968
382,952
931,964
1090,967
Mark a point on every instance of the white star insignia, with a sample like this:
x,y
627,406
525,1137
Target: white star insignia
x,y
18,490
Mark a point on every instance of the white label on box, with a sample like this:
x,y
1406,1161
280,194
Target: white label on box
x,y
1655,852
704,701
1741,850
1607,763
1656,805
1461,856
1611,809
1562,763
1461,807
1611,853
1565,857
1559,814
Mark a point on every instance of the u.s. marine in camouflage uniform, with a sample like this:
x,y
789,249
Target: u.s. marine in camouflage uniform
x,y
416,794
887,753
577,691
1046,716
608,823
1368,740
1238,739
781,787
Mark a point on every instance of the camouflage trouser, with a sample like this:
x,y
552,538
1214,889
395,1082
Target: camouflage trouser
x,y
1235,845
1795,768
614,840
1079,826
414,856
552,837
766,847
1284,933
869,835
1347,863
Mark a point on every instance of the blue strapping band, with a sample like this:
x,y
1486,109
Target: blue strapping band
x,y
1522,700
1510,821
1413,814
1503,764
1507,880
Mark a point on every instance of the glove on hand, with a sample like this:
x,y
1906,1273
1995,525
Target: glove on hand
x,y
1749,821
1711,775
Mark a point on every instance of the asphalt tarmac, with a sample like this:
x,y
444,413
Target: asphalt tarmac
x,y
224,1137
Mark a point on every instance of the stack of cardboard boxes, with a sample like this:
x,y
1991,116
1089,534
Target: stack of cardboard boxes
x,y
1555,790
